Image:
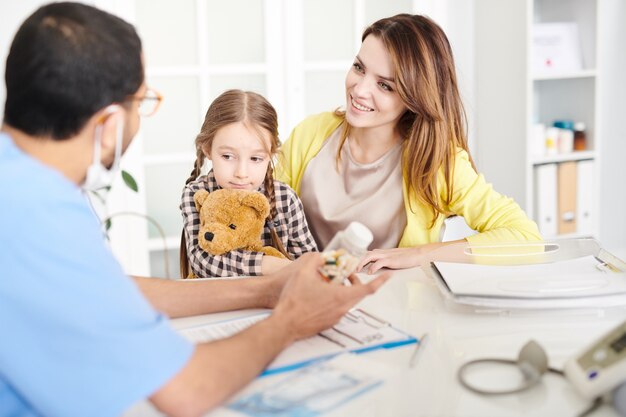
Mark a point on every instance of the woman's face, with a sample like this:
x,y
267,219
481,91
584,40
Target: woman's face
x,y
372,99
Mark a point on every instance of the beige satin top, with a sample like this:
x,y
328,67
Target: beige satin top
x,y
369,193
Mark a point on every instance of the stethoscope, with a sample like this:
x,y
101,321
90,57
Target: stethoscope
x,y
532,362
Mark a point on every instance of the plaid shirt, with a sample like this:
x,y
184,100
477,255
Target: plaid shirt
x,y
290,225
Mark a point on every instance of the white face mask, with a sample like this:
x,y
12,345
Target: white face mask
x,y
98,176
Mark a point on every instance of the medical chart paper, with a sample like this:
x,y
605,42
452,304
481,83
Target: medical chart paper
x,y
358,331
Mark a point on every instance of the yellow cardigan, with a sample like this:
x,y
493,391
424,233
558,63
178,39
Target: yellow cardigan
x,y
497,218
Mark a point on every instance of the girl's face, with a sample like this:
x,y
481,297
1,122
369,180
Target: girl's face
x,y
240,158
371,96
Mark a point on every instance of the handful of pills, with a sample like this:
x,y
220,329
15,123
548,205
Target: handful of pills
x,y
338,265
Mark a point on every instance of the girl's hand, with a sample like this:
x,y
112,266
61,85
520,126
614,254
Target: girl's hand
x,y
399,258
271,264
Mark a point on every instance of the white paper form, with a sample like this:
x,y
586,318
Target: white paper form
x,y
313,390
358,331
580,277
221,329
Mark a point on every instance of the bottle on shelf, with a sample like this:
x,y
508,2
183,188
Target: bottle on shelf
x,y
552,134
580,137
344,252
565,141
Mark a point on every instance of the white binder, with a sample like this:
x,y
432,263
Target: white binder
x,y
584,198
546,210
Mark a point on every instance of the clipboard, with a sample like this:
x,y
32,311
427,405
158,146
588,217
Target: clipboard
x,y
357,332
575,273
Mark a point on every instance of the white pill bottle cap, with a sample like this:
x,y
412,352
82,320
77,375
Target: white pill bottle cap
x,y
357,234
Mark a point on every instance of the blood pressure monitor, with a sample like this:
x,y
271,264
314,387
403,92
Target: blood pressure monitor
x,y
602,366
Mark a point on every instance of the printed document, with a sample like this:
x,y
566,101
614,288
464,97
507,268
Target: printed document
x,y
358,331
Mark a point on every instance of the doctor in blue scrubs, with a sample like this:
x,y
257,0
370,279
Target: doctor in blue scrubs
x,y
78,336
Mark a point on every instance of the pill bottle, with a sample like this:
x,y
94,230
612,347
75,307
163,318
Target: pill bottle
x,y
580,137
566,141
552,135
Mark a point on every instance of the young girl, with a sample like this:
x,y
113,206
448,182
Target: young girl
x,y
397,158
240,137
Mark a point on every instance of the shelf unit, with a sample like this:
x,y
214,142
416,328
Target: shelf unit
x,y
562,157
510,98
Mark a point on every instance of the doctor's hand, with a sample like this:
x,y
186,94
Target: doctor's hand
x,y
310,304
400,258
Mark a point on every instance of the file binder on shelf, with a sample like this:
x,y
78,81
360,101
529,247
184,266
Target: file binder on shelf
x,y
545,199
567,197
585,198
573,273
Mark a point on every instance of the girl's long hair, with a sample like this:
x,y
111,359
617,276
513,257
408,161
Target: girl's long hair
x,y
435,124
257,113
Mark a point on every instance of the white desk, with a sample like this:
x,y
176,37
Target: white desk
x,y
411,302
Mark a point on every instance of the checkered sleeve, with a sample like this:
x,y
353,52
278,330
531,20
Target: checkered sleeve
x,y
203,264
300,239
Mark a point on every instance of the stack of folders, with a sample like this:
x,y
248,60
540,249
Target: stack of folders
x,y
564,202
595,281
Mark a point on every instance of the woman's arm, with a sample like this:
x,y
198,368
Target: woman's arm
x,y
401,258
496,217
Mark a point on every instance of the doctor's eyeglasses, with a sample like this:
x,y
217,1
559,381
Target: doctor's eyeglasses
x,y
148,103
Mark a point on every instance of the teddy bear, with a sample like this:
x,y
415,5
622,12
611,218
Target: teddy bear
x,y
232,219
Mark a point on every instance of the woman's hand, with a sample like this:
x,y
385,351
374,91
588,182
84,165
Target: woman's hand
x,y
400,258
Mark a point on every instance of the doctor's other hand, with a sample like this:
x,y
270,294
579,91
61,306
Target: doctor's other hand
x,y
310,304
399,258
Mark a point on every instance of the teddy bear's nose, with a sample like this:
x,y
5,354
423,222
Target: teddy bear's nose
x,y
209,236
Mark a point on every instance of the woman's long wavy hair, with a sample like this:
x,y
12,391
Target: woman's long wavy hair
x,y
435,124
257,113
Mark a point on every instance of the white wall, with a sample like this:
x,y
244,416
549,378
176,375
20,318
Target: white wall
x,y
612,96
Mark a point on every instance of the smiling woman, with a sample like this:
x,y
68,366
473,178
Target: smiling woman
x,y
397,158
371,94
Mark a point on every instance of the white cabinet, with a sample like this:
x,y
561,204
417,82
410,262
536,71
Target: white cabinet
x,y
512,97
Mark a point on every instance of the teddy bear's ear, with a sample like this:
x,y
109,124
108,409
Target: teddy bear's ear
x,y
258,202
199,197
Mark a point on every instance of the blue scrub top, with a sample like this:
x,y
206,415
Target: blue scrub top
x,y
77,338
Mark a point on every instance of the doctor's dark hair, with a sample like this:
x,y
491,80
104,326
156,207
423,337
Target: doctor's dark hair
x,y
254,111
68,61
